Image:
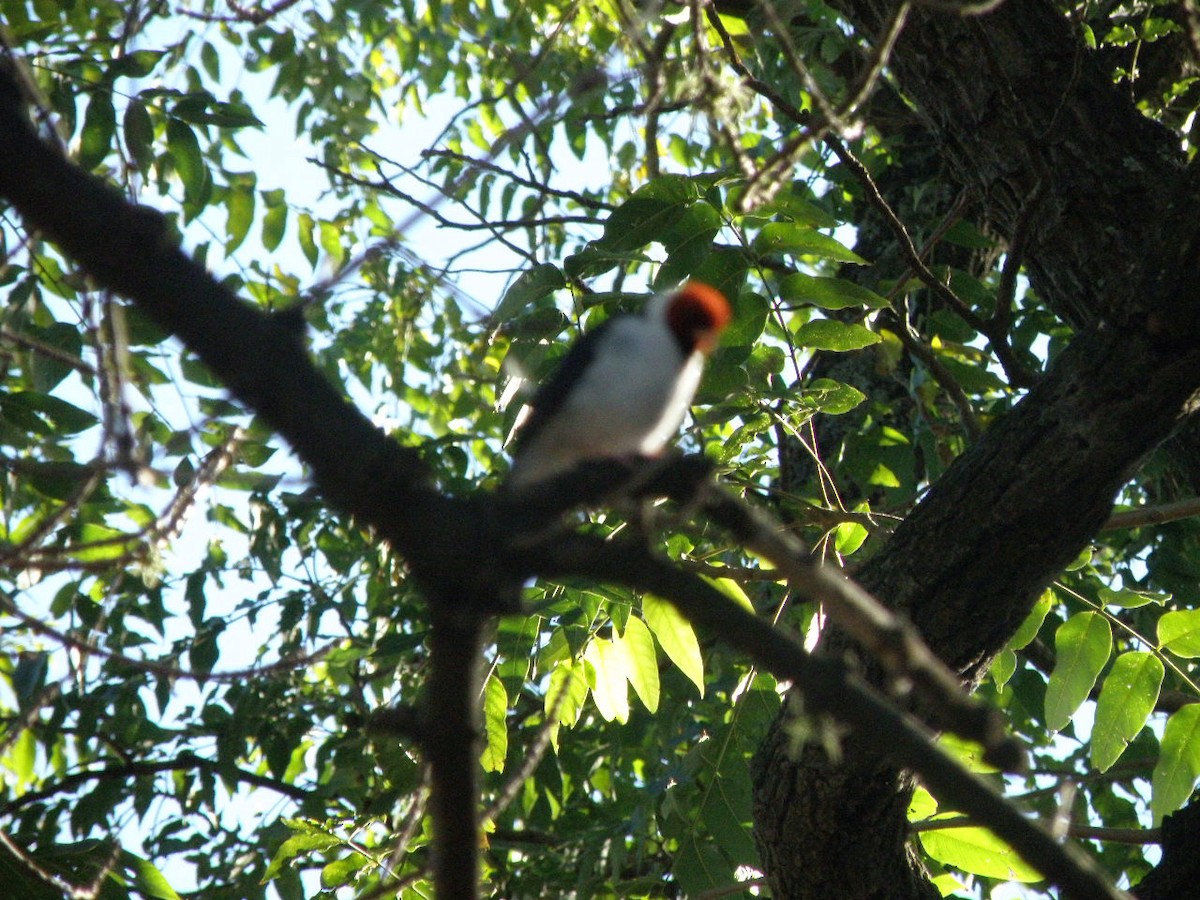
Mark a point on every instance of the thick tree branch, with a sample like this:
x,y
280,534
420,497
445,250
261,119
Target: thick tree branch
x,y
450,736
828,688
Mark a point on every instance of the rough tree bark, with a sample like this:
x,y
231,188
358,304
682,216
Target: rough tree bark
x,y
1019,110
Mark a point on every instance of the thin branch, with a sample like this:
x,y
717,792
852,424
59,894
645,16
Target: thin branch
x,y
942,375
184,762
1013,369
249,15
881,52
488,166
1135,836
1153,515
41,347
1006,289
981,8
72,891
96,470
141,542
165,670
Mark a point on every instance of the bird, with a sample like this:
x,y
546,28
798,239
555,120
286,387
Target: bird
x,y
623,389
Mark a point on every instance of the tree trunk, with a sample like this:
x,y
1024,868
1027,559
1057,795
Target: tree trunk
x,y
1019,110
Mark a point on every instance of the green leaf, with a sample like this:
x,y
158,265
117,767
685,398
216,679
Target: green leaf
x,y
495,724
1029,628
108,543
1083,644
309,838
147,878
1131,599
331,242
687,241
1178,763
342,871
189,162
828,293
796,207
1126,700
726,268
797,240
649,214
1004,666
530,286
676,637
568,681
308,243
643,662
827,334
732,590
831,397
1179,632
978,851
239,202
608,664
139,134
99,126
849,537
137,64
275,219
21,759
700,868
45,414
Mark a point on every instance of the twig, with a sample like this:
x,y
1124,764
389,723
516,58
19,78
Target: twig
x,y
243,13
72,891
488,166
39,346
1137,836
940,373
1153,515
997,339
165,670
981,8
124,770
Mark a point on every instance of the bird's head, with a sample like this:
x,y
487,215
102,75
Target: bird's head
x,y
696,315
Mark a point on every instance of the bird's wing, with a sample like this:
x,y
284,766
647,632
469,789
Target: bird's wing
x,y
550,396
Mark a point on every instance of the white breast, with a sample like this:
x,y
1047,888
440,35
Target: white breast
x,y
630,402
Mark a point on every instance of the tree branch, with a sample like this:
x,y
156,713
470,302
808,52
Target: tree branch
x,y
828,688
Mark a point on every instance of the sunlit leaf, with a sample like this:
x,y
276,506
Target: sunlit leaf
x,y
676,637
532,285
828,293
495,725
979,852
608,666
1126,700
797,240
138,133
828,334
1179,632
1083,645
1178,762
643,662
